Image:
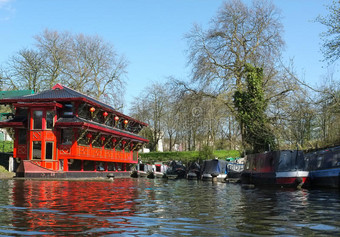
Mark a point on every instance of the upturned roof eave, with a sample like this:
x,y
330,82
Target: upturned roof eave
x,y
71,99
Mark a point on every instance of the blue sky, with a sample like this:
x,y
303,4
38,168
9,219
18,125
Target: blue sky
x,y
150,33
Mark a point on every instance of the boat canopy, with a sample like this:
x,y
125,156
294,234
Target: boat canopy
x,y
215,166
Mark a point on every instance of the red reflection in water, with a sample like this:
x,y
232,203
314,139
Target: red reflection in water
x,y
73,206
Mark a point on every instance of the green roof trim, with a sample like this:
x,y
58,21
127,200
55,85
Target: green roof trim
x,y
10,94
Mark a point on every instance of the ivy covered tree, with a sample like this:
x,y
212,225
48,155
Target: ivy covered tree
x,y
251,112
240,33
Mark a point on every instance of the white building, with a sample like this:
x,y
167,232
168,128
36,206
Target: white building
x,y
4,136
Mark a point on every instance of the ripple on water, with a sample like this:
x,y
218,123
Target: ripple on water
x,y
144,207
320,227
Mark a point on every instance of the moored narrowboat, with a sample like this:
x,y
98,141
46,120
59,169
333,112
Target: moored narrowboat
x,y
145,170
214,168
324,167
194,170
234,170
176,170
160,169
61,133
285,168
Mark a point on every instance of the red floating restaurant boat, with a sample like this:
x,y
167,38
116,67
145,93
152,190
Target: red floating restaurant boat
x,y
62,133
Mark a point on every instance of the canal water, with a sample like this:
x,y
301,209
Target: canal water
x,y
145,207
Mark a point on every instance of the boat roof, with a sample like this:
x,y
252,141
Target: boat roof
x,y
63,93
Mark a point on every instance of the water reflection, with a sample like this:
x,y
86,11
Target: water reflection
x,y
73,207
138,207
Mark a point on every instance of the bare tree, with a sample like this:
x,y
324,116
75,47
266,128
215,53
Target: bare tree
x,y
84,63
54,48
26,70
331,38
95,68
151,106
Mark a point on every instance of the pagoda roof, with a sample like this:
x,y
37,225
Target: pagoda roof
x,y
97,127
61,93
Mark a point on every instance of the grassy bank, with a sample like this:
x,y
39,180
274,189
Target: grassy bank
x,y
5,174
184,156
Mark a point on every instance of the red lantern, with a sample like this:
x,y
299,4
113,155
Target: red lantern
x,y
105,114
89,135
102,138
125,123
116,118
114,140
92,109
123,142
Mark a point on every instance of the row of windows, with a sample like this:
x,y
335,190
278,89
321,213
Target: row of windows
x,y
67,136
324,161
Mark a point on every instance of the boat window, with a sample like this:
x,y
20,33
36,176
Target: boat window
x,y
98,117
84,111
111,166
66,136
337,158
74,165
312,161
49,119
108,120
36,150
22,136
67,111
247,166
100,166
118,146
334,160
109,144
49,151
287,160
20,112
89,165
83,141
135,156
328,160
37,119
97,143
319,162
